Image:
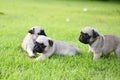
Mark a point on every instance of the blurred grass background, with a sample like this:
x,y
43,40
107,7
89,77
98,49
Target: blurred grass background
x,y
17,16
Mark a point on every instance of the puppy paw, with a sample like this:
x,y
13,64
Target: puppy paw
x,y
97,56
37,59
32,56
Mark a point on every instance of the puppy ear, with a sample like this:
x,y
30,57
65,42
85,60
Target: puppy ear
x,y
81,32
31,31
50,42
95,34
42,33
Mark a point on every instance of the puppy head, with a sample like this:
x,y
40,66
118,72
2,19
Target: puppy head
x,y
36,31
88,35
42,44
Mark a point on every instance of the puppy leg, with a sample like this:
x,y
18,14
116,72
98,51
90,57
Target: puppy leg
x,y
30,53
97,56
43,56
89,51
117,52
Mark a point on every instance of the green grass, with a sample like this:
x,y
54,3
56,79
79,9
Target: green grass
x,y
17,16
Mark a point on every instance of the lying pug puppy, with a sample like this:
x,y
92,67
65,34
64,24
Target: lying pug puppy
x,y
100,44
29,40
47,47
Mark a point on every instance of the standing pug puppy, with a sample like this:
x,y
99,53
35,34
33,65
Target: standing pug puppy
x,y
100,44
47,47
29,40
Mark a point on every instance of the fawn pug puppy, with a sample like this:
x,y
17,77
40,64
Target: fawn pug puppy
x,y
47,47
100,44
29,40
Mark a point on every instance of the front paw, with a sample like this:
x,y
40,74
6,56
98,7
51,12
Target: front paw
x,y
37,59
33,56
97,56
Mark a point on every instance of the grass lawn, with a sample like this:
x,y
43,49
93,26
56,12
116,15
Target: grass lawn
x,y
17,16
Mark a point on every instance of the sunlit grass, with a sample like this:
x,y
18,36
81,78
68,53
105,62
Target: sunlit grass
x,y
17,16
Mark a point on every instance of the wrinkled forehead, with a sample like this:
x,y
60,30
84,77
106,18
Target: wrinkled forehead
x,y
88,30
37,29
42,39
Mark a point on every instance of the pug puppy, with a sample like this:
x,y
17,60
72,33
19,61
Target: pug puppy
x,y
47,47
100,44
29,40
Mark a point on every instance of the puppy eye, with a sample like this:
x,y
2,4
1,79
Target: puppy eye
x,y
87,36
41,44
44,46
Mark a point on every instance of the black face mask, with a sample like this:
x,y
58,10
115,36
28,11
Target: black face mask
x,y
84,38
39,47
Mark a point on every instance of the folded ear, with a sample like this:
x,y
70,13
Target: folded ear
x,y
81,32
50,42
42,32
31,31
95,34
